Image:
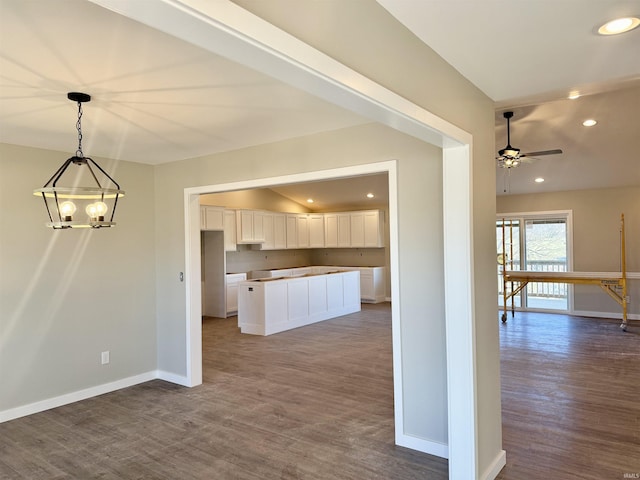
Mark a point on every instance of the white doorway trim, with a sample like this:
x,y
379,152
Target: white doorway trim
x,y
226,29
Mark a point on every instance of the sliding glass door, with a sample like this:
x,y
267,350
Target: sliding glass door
x,y
541,246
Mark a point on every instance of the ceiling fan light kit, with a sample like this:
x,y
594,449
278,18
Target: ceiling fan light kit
x,y
510,157
95,201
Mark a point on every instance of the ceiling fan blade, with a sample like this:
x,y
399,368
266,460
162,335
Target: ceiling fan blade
x,y
542,153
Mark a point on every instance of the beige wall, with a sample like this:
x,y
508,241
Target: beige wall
x,y
383,50
257,198
68,338
596,237
420,222
66,296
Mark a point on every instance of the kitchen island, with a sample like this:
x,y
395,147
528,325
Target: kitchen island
x,y
271,305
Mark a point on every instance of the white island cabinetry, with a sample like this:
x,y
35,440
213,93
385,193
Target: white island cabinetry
x,y
372,279
271,305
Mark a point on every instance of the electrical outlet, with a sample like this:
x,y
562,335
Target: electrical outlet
x,y
105,357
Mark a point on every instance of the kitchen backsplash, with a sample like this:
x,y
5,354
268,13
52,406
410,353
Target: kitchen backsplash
x,y
246,260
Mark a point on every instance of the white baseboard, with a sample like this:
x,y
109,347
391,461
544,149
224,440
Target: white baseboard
x,y
173,378
498,464
72,397
616,315
425,446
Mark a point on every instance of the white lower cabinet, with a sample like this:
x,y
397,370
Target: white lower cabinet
x,y
372,284
232,281
272,305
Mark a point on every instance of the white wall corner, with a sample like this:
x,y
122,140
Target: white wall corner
x,y
173,378
420,444
495,467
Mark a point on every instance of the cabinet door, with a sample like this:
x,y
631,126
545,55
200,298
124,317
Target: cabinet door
x,y
250,226
232,298
373,231
316,230
330,230
344,230
244,226
230,231
258,226
303,231
269,234
367,290
357,229
232,290
292,231
211,218
279,231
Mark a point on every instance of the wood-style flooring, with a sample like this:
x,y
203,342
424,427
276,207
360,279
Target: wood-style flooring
x,y
570,398
317,403
312,403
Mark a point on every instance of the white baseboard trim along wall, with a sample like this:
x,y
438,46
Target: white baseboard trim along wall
x,y
427,446
494,469
72,397
605,315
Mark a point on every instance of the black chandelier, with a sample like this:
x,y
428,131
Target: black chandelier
x,y
62,203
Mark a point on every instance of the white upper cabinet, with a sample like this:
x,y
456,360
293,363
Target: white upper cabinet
x,y
279,231
330,230
211,218
357,229
292,230
297,230
374,228
316,230
249,226
275,231
303,230
344,230
230,231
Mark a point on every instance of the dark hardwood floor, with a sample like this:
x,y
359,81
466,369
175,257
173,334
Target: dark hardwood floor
x,y
317,403
570,398
311,403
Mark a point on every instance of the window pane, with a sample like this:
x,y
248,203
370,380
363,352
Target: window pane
x,y
546,251
512,248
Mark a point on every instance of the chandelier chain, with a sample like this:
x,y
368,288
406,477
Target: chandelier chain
x,y
79,128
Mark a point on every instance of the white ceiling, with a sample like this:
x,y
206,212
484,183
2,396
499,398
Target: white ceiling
x,y
527,55
158,99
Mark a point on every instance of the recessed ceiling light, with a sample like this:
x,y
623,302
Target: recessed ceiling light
x,y
539,180
573,95
309,200
370,195
589,123
619,25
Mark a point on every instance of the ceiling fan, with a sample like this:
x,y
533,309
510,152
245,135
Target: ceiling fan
x,y
510,157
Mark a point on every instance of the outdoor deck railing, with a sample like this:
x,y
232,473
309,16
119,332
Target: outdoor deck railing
x,y
540,289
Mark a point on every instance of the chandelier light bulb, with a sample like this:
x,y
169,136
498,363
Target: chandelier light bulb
x,y
92,210
97,210
67,209
101,208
